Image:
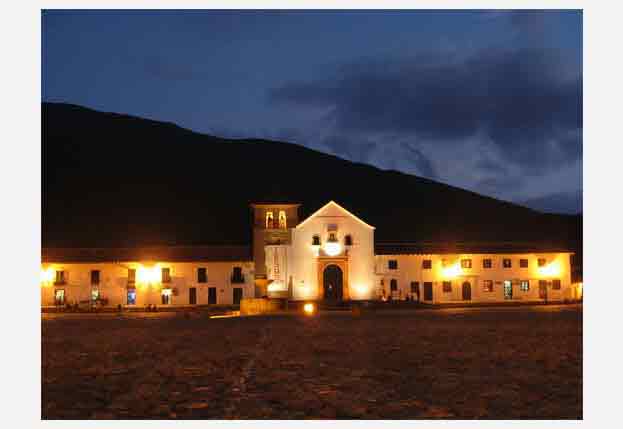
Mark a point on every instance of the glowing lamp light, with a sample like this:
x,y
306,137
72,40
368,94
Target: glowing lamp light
x,y
451,271
550,270
332,248
580,289
148,274
46,276
362,290
309,308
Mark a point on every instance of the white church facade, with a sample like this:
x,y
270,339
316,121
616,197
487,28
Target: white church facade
x,y
329,256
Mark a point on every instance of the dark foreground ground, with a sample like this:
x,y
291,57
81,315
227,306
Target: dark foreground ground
x,y
508,363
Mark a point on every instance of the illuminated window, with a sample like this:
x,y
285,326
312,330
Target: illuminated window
x,y
202,275
523,263
427,264
95,294
447,286
269,220
332,236
541,262
59,297
487,285
392,264
486,263
282,219
95,277
166,275
316,240
131,275
506,263
393,285
466,263
166,296
556,284
348,240
61,278
524,285
131,296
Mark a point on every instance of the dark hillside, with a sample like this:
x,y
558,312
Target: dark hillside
x,y
111,179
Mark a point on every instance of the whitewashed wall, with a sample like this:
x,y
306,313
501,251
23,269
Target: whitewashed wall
x,y
410,269
304,256
114,277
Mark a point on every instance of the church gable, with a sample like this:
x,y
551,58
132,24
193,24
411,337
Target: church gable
x,y
333,210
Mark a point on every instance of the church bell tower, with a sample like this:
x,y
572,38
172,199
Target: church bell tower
x,y
272,225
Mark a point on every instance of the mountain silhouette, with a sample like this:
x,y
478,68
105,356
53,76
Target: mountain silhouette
x,y
116,180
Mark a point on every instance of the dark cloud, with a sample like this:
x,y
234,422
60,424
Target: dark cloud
x,y
422,163
523,100
559,202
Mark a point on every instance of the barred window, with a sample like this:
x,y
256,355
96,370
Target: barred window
x,y
202,275
506,263
166,275
427,264
556,284
447,286
415,287
487,285
523,263
95,277
486,263
466,263
392,264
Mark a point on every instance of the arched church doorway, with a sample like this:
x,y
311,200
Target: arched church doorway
x,y
332,283
467,291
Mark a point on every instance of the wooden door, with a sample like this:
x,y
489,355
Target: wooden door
x,y
237,295
192,296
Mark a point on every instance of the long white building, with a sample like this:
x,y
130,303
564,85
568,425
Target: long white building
x,y
328,256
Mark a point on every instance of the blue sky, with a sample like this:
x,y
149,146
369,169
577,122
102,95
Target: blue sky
x,y
490,101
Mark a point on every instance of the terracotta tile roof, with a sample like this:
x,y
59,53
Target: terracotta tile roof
x,y
386,248
151,253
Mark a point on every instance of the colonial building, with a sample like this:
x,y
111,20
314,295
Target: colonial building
x,y
331,255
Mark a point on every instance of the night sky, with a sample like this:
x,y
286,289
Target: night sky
x,y
489,101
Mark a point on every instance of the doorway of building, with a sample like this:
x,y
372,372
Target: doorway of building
x,y
237,295
211,295
192,296
467,291
428,291
543,289
508,289
332,283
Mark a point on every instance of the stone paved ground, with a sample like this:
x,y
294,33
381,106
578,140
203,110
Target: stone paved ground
x,y
509,363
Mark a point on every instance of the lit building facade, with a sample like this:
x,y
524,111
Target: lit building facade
x,y
330,256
